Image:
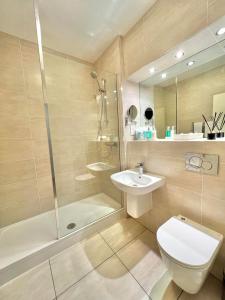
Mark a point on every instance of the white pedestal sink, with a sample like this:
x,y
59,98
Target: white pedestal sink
x,y
139,189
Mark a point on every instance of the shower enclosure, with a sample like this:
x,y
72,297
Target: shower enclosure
x,y
59,131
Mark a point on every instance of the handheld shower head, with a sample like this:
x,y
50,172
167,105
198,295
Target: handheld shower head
x,y
94,75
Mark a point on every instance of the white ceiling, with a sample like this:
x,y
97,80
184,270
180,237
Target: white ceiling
x,y
82,28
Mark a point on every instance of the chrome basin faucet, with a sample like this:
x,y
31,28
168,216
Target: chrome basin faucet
x,y
140,167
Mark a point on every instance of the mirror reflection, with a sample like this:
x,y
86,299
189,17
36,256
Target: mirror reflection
x,y
186,91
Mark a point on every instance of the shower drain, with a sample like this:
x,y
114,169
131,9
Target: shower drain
x,y
71,226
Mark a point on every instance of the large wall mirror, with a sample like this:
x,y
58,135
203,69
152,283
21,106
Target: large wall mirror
x,y
182,93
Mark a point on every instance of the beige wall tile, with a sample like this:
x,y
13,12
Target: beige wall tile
x,y
151,38
45,187
214,185
40,148
18,201
43,167
213,214
216,9
15,150
38,128
16,171
15,127
174,171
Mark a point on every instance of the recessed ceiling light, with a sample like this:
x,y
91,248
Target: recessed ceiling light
x,y
190,63
164,75
152,70
220,31
179,54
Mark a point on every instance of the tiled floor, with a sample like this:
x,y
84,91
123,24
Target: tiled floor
x,y
120,262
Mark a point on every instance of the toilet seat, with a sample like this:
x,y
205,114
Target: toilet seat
x,y
188,243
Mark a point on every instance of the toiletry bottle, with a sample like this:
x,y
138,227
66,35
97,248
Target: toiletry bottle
x,y
168,132
154,134
173,131
149,133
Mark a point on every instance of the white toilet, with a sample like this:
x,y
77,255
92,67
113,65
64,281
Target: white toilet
x,y
188,249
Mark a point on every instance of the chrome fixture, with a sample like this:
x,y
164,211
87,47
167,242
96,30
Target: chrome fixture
x,y
140,167
202,163
103,119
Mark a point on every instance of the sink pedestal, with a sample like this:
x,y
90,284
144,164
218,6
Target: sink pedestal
x,y
138,205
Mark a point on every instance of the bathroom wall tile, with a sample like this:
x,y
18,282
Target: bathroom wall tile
x,y
15,150
155,218
43,167
214,185
18,201
34,284
216,10
121,233
142,258
178,201
150,38
45,188
14,127
157,40
213,213
211,290
65,183
40,148
36,108
46,204
110,59
13,104
15,171
215,148
176,150
38,128
72,264
18,191
31,68
63,164
109,281
174,171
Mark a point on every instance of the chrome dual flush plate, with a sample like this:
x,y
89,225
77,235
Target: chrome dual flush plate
x,y
202,163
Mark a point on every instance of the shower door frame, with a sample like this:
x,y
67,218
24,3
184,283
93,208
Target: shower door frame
x,y
47,123
45,99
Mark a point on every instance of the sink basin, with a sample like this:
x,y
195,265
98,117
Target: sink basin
x,y
131,182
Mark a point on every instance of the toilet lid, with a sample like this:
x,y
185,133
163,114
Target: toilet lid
x,y
188,242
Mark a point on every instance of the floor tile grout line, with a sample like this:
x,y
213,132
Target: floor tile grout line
x,y
132,275
53,282
126,243
115,253
75,283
